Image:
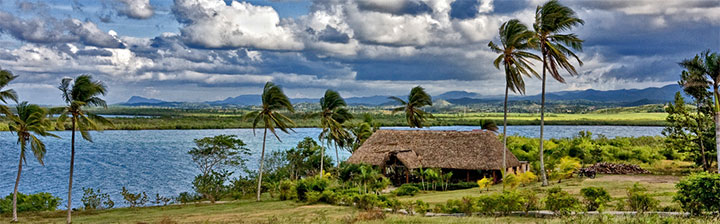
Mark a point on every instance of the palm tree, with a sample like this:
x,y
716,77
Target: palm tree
x,y
273,99
413,114
514,37
9,94
709,64
29,121
556,48
77,94
696,84
332,116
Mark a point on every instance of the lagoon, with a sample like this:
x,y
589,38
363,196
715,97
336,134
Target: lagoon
x,y
156,161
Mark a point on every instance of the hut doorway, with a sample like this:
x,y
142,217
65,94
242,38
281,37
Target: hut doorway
x,y
396,171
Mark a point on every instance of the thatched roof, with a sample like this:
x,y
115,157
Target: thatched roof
x,y
470,150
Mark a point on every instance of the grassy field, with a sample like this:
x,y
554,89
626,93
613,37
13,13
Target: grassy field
x,y
274,211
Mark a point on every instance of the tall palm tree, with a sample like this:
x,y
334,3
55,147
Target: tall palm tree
x,y
417,99
9,94
696,84
556,48
30,120
709,64
79,93
513,54
273,99
332,116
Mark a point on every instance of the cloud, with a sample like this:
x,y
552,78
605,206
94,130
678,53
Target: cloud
x,y
48,30
135,9
214,24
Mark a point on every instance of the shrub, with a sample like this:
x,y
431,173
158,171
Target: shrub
x,y
484,183
565,168
595,197
511,181
42,201
406,189
699,192
560,201
509,201
366,201
452,206
421,207
526,178
134,200
486,204
186,197
287,190
94,199
310,184
161,200
467,205
211,186
638,200
394,205
530,200
313,197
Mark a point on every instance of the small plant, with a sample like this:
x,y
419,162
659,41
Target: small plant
x,y
211,185
161,200
565,168
639,200
187,197
484,183
527,178
94,199
560,202
467,205
487,204
134,200
699,192
511,181
508,202
410,207
406,189
394,204
366,201
287,190
421,207
595,198
530,200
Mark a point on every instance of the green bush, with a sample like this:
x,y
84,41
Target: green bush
x,y
639,200
486,204
42,201
406,189
367,201
421,207
312,197
310,184
394,205
212,186
560,202
287,190
134,200
530,200
94,199
508,202
595,197
699,193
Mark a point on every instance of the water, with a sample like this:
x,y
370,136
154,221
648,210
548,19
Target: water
x,y
156,161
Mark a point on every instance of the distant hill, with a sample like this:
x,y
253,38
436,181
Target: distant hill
x,y
623,97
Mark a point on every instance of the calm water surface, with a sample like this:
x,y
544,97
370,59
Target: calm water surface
x,y
156,161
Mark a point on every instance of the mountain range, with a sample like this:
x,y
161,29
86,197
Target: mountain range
x,y
627,97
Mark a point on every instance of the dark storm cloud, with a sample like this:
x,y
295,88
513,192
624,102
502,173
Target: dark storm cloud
x,y
48,30
95,52
330,34
411,7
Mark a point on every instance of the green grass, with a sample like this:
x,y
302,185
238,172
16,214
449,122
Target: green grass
x,y
273,211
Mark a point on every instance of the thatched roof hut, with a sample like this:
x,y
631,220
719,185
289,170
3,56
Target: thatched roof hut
x,y
462,150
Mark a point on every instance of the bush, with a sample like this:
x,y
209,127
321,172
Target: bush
x,y
526,178
699,192
94,199
486,204
316,184
406,189
508,202
638,200
287,190
367,201
595,198
529,200
161,200
211,186
394,205
560,201
134,200
186,197
313,197
484,183
42,201
511,181
421,207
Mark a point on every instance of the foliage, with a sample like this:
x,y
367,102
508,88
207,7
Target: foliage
x,y
565,168
417,99
187,197
332,116
310,184
421,207
530,200
218,152
161,200
595,198
699,193
526,178
406,189
560,202
484,183
639,200
94,199
42,201
287,190
367,201
134,200
303,160
511,181
211,186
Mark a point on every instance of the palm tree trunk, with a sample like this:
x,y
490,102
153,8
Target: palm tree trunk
x,y
542,124
337,157
505,131
15,192
72,163
717,127
260,172
322,158
699,134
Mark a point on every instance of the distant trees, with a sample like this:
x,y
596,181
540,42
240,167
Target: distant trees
x,y
79,93
417,99
273,100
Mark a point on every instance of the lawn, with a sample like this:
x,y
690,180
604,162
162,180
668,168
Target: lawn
x,y
274,211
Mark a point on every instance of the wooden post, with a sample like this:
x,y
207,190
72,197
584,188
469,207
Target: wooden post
x,y
467,177
495,180
407,175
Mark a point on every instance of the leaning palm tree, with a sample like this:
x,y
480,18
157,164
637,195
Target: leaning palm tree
x,y
513,54
273,99
418,98
9,94
30,120
709,64
556,48
696,84
332,116
78,94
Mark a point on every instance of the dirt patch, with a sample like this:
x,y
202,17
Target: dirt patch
x,y
637,178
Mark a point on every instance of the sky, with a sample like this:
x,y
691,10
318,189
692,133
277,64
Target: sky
x,y
202,50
